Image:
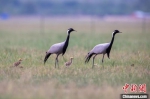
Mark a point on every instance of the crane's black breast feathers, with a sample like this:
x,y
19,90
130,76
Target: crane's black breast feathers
x,y
108,51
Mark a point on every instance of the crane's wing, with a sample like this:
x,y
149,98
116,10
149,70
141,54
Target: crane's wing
x,y
100,48
56,48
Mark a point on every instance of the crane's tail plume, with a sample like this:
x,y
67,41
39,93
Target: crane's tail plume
x,y
46,57
88,57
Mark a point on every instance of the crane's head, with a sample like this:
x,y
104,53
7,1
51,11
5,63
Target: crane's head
x,y
70,30
116,31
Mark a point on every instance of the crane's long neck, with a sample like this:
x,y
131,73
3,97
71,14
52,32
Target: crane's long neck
x,y
112,41
66,44
110,46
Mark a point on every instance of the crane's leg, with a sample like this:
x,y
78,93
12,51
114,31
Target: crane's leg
x,y
103,60
56,61
93,61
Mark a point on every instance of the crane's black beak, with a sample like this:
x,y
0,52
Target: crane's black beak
x,y
75,30
120,32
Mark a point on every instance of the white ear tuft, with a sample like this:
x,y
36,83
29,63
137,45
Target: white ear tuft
x,y
113,33
67,31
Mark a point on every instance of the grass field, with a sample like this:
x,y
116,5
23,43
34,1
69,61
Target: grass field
x,y
22,37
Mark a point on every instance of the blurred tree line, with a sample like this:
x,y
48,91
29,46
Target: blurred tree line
x,y
67,7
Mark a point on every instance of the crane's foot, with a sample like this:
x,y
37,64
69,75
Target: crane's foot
x,y
92,66
103,66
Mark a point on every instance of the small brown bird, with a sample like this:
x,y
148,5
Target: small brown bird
x,y
18,62
69,63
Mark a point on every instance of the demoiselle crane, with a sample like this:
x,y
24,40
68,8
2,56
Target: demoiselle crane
x,y
59,48
104,48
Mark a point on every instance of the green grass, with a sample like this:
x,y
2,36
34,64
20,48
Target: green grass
x,y
23,39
